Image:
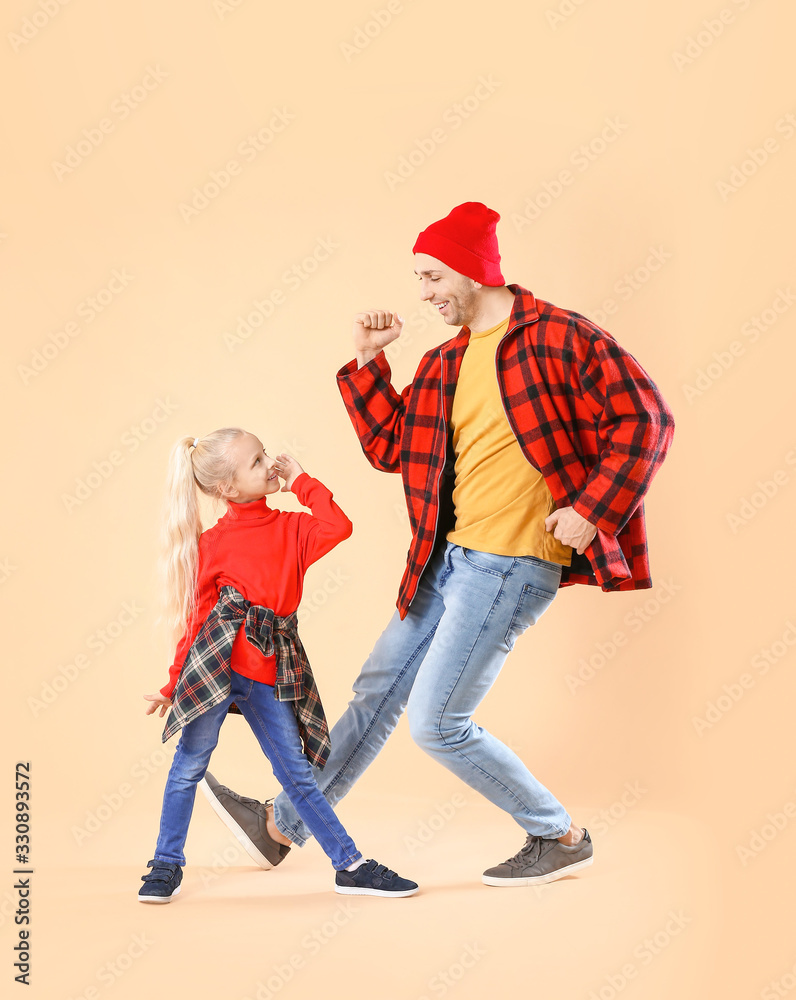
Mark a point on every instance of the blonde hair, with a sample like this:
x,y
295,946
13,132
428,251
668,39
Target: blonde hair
x,y
208,467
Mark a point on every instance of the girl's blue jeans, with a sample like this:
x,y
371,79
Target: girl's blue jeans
x,y
276,728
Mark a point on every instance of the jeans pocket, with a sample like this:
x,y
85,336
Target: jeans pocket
x,y
487,562
530,607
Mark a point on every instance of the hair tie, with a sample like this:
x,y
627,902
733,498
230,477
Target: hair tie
x,y
195,442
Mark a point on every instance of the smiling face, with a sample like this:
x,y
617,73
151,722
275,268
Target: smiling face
x,y
255,473
454,295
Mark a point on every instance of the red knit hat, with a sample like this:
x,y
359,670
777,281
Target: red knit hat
x,y
465,240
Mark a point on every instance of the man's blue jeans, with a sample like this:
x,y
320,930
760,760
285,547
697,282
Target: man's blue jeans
x,y
439,663
274,724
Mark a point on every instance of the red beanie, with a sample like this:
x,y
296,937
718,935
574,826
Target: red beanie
x,y
465,240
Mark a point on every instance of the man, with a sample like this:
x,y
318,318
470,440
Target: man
x,y
526,445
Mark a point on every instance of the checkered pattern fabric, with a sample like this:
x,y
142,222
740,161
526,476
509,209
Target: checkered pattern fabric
x,y
205,676
584,411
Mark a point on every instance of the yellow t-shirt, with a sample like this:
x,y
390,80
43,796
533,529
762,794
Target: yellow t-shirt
x,y
501,500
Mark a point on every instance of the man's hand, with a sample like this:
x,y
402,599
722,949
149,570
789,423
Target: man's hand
x,y
373,330
157,700
287,468
571,528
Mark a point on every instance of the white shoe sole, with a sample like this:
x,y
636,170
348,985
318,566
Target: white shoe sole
x,y
160,899
347,890
538,879
233,827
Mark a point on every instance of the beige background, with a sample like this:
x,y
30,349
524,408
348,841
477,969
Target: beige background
x,y
684,93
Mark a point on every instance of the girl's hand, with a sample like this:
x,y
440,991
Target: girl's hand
x,y
287,468
157,700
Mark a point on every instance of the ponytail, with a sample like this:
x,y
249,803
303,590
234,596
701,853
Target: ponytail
x,y
206,467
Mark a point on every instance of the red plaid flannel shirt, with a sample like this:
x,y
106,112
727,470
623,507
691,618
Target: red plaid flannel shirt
x,y
584,411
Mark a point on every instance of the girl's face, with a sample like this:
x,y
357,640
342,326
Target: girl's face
x,y
255,473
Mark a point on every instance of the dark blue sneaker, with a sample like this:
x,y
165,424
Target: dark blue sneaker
x,y
161,883
373,879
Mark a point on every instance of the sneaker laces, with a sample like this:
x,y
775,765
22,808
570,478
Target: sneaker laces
x,y
530,852
254,804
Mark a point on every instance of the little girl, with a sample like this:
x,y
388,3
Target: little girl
x,y
232,593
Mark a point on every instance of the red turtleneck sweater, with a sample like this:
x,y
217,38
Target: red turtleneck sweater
x,y
264,554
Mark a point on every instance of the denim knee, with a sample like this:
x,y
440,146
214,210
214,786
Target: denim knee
x,y
191,761
433,735
423,730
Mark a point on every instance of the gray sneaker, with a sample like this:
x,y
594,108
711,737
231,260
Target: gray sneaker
x,y
246,818
540,861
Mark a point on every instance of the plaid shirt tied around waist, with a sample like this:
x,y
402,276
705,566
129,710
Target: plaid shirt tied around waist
x,y
205,676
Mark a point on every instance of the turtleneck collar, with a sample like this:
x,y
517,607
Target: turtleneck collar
x,y
247,511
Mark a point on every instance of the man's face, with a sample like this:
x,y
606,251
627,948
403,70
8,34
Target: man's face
x,y
453,294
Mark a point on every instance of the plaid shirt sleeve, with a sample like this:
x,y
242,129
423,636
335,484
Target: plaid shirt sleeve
x,y
376,410
633,423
